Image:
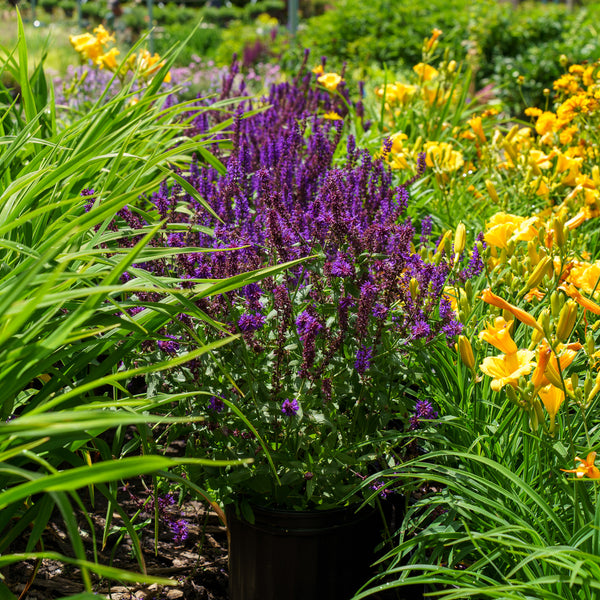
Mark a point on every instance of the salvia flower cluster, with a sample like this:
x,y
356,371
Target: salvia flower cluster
x,y
321,372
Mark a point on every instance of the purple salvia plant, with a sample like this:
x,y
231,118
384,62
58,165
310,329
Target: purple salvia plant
x,y
316,331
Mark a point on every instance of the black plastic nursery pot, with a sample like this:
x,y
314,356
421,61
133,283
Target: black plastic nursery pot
x,y
296,555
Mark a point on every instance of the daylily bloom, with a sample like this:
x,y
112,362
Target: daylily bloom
x,y
103,36
488,296
108,59
87,45
585,275
586,303
555,367
498,335
552,398
425,72
587,467
507,368
330,81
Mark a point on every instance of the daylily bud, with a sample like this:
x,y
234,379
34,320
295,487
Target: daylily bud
x,y
559,232
596,176
413,287
566,320
523,316
511,151
511,134
590,344
593,391
555,304
538,273
586,303
538,378
588,385
469,289
465,351
464,303
459,239
544,321
492,191
553,375
539,412
532,252
442,247
575,380
533,420
511,394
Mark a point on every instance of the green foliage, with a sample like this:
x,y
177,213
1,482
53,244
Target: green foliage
x,y
500,42
528,43
204,42
94,11
65,322
389,33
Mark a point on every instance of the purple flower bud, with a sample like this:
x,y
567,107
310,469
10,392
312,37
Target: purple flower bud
x,y
290,407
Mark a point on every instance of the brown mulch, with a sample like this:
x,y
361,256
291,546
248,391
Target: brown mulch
x,y
199,563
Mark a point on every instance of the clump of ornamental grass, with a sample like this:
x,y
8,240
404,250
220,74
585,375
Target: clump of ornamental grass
x,y
67,321
518,399
320,385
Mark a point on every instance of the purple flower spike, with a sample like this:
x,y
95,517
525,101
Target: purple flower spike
x,y
169,346
290,407
423,411
250,322
216,404
363,359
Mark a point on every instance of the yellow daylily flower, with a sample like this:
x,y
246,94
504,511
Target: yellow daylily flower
x,y
584,275
87,45
498,335
507,368
330,81
108,59
552,398
425,72
103,36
